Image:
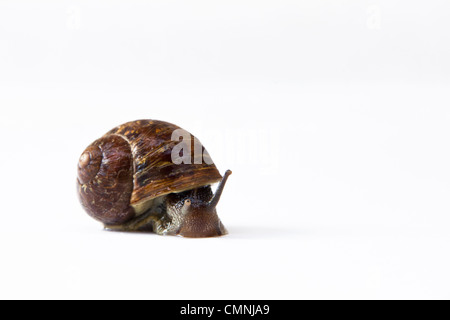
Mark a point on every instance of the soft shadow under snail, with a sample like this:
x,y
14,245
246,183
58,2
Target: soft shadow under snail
x,y
128,181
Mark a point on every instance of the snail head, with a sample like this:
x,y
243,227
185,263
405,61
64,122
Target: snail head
x,y
194,211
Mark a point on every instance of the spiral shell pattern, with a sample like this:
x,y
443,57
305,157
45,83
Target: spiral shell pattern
x,y
105,180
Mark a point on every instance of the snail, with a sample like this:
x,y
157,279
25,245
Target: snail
x,y
130,181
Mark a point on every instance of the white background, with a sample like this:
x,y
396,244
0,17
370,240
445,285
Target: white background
x,y
333,115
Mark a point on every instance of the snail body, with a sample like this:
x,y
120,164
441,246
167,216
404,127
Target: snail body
x,y
129,181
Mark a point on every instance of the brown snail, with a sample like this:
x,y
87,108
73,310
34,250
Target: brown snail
x,y
129,181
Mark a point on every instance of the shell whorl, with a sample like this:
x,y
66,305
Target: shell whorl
x,y
105,180
89,164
